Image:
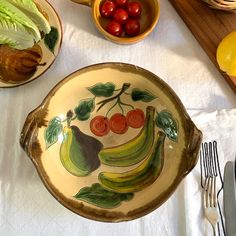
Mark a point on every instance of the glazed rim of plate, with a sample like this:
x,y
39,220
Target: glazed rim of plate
x,y
13,85
32,147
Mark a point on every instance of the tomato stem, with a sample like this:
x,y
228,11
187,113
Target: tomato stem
x,y
112,107
119,104
102,103
125,104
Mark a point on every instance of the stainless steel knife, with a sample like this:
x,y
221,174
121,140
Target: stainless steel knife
x,y
235,172
230,198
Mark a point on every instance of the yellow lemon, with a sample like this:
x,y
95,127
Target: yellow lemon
x,y
226,54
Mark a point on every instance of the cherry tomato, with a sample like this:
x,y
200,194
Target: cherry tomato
x,y
120,16
134,9
114,28
107,8
135,118
118,124
132,27
121,3
99,125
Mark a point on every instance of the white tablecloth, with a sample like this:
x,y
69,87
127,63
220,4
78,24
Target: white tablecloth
x,y
171,52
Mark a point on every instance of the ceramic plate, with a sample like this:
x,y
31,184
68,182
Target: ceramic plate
x,y
111,142
50,48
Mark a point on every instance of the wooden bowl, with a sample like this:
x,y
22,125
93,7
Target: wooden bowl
x,y
226,5
148,21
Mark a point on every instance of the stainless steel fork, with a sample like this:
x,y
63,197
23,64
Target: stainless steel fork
x,y
211,174
210,202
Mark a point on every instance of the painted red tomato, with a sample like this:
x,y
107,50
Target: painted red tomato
x,y
132,27
121,3
107,8
118,124
120,16
99,125
114,28
134,9
135,118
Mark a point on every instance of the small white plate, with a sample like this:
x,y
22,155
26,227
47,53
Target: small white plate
x,y
48,57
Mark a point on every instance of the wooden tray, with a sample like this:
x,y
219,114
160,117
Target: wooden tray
x,y
209,26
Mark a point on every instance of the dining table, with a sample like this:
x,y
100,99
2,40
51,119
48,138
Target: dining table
x,y
173,54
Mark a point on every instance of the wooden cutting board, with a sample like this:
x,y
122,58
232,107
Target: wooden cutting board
x,y
209,26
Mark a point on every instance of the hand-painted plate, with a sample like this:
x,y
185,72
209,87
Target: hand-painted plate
x,y
111,142
50,46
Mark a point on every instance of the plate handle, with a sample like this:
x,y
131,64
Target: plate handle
x,y
83,2
193,148
28,137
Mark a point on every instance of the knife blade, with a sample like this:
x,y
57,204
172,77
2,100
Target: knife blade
x,y
229,197
235,169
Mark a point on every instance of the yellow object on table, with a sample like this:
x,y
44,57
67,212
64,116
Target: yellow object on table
x,y
226,54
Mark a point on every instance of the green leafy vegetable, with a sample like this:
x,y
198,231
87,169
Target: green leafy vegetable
x,y
102,90
52,131
84,109
51,39
14,15
14,35
101,197
168,124
142,95
31,10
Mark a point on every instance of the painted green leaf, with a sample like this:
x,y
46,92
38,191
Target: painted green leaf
x,y
51,38
142,95
168,124
84,109
102,90
52,131
101,197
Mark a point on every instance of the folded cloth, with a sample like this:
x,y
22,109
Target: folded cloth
x,y
219,126
27,208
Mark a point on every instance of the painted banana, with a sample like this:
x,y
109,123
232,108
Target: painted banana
x,y
140,177
135,150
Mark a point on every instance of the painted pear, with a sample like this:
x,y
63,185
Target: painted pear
x,y
140,177
135,150
79,152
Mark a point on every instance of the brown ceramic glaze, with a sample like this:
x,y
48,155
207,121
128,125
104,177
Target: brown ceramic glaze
x,y
143,91
149,19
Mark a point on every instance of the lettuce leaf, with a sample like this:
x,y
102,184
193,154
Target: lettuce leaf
x,y
13,34
13,14
31,10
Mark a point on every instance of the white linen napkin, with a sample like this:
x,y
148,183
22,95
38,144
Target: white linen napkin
x,y
27,208
219,126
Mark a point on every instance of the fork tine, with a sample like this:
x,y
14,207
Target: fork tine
x,y
201,168
214,158
211,164
206,192
206,159
211,192
214,192
203,165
